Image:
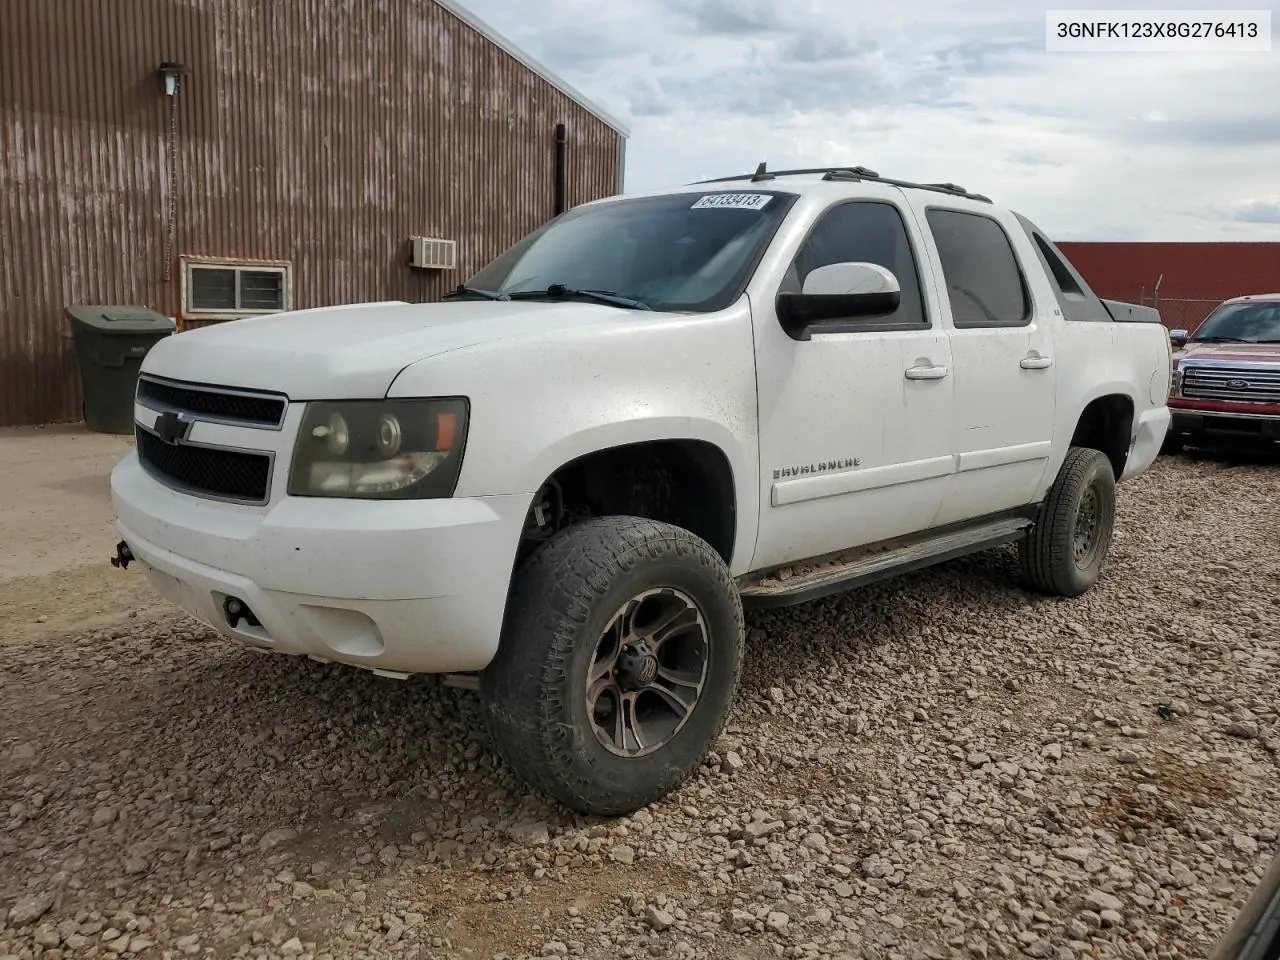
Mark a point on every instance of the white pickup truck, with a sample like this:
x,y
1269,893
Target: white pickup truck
x,y
561,485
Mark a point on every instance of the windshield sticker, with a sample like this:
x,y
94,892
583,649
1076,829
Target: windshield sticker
x,y
733,201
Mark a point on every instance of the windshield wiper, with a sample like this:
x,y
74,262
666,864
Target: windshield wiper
x,y
1220,340
600,296
464,291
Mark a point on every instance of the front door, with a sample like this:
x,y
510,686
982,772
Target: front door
x,y
1003,358
855,422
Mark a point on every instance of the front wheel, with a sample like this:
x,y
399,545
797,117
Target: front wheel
x,y
1063,554
619,659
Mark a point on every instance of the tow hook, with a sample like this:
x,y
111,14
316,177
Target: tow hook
x,y
124,556
237,610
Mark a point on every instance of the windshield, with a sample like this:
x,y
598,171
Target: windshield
x,y
685,251
1244,322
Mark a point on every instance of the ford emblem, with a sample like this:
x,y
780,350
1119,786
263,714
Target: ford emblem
x,y
1238,384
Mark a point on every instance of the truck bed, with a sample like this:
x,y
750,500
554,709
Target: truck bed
x,y
1131,312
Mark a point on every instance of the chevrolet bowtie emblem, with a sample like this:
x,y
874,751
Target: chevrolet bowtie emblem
x,y
172,427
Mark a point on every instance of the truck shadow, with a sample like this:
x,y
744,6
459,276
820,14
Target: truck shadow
x,y
1228,458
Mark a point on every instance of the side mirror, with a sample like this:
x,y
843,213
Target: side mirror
x,y
1178,338
839,291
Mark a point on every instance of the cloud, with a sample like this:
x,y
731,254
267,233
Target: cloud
x,y
579,49
1213,133
1034,158
821,48
990,58
1089,145
729,17
649,100
1258,211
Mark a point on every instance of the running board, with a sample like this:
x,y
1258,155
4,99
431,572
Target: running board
x,y
879,563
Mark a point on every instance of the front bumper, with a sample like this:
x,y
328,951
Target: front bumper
x,y
394,586
1223,429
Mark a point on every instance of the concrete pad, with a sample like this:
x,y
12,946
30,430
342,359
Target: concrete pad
x,y
55,498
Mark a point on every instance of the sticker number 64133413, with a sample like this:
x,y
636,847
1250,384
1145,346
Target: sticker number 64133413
x,y
733,201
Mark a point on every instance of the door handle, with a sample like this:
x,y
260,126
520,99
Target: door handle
x,y
1036,363
926,373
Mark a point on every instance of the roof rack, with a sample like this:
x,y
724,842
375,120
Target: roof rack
x,y
852,174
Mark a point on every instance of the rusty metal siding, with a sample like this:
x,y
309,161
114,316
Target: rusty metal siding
x,y
318,132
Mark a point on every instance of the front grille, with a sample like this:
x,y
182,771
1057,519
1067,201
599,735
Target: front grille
x,y
206,471
1239,384
214,403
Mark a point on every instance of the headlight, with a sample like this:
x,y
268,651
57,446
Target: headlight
x,y
1175,383
379,449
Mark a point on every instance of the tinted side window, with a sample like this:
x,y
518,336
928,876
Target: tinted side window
x,y
863,231
1074,297
983,280
1066,283
1071,299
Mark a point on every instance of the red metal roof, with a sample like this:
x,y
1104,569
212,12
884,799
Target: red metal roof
x,y
1199,271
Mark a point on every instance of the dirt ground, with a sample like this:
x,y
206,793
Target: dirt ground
x,y
55,509
940,766
57,531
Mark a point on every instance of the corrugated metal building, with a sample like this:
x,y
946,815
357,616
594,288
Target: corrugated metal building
x,y
306,143
1193,277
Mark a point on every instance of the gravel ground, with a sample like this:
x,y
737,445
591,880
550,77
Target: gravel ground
x,y
941,766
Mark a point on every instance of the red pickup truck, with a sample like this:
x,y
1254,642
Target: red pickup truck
x,y
1226,378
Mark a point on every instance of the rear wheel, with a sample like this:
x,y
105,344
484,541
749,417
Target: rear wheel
x,y
619,659
1064,552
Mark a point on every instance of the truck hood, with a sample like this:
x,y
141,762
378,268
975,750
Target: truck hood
x,y
355,351
1231,352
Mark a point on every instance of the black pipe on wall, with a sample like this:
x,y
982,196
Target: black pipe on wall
x,y
560,185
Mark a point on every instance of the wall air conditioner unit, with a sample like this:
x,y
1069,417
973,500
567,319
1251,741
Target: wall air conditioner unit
x,y
431,253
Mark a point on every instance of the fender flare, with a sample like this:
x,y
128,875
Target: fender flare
x,y
744,470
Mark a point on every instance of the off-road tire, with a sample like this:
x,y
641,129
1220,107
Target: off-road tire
x,y
1048,552
563,596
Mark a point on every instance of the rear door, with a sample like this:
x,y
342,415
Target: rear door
x,y
1002,348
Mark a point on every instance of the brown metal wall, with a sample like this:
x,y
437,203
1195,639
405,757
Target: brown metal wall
x,y
1193,278
1209,269
320,132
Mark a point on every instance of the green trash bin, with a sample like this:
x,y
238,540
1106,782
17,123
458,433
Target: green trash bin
x,y
111,342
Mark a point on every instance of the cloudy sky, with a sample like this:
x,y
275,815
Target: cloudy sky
x,y
1110,146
